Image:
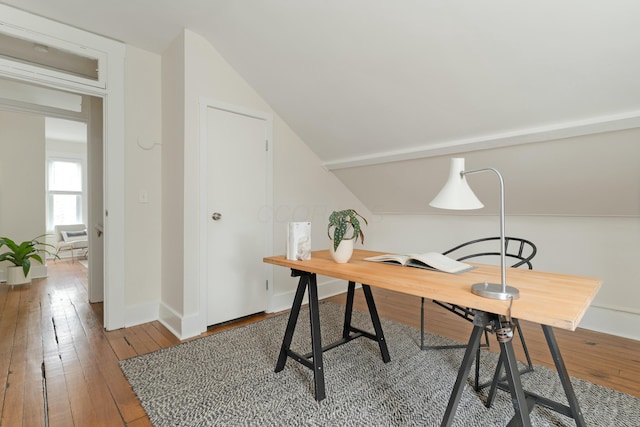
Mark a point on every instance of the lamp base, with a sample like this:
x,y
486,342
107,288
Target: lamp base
x,y
494,291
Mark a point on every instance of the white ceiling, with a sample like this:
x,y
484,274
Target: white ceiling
x,y
364,82
373,77
65,130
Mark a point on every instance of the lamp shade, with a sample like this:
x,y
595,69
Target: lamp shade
x,y
456,193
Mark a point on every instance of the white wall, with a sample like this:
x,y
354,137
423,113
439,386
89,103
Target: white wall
x,y
172,258
143,151
303,189
603,247
22,179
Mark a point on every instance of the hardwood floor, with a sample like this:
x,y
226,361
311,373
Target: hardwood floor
x,y
60,368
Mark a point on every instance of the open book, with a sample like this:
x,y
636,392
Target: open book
x,y
429,261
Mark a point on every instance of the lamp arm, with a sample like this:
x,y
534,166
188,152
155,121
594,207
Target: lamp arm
x,y
503,269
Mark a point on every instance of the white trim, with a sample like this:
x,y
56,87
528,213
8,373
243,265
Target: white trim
x,y
206,103
170,319
601,124
142,313
41,29
611,321
182,327
114,191
478,213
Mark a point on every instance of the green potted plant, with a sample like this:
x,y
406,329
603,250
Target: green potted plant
x,y
346,229
21,255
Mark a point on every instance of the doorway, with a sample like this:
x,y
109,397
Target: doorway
x,y
53,137
108,86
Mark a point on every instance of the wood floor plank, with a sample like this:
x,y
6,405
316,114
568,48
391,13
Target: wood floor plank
x,y
98,396
58,404
160,335
140,340
15,383
34,406
56,392
120,345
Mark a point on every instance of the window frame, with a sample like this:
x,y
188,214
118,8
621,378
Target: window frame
x,y
82,194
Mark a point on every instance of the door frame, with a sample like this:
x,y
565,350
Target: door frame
x,y
111,89
266,214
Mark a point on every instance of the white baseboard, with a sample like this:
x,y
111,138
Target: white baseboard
x,y
141,313
170,319
182,327
611,321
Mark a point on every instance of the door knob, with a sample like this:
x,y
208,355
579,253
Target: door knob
x,y
216,216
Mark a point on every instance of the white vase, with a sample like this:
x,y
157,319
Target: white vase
x,y
343,253
15,276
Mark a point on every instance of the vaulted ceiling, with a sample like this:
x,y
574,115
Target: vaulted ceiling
x,y
369,84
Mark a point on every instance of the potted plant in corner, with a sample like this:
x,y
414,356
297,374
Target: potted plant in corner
x,y
343,223
21,255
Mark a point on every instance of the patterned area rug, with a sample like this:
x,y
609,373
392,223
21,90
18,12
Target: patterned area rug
x,y
229,379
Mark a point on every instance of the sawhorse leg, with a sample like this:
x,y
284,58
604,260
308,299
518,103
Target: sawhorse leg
x,y
463,372
307,280
573,410
576,412
521,417
313,360
375,320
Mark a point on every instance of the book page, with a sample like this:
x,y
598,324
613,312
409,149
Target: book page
x,y
389,258
438,261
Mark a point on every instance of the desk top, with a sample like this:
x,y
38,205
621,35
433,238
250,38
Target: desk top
x,y
552,299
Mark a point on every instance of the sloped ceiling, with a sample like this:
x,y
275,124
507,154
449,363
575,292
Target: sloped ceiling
x,y
596,175
379,88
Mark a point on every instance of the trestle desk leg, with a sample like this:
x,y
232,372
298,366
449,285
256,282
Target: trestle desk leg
x,y
518,397
421,323
463,372
576,412
348,310
494,383
293,318
375,319
316,341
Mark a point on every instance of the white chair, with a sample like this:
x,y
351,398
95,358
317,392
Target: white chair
x,y
71,238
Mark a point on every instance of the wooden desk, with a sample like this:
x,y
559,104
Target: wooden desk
x,y
552,300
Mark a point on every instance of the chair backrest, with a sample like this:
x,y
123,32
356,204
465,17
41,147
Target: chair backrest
x,y
69,227
520,250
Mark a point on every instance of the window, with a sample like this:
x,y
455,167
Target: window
x,y
65,196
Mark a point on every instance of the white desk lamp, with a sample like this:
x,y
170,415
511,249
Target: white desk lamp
x,y
457,195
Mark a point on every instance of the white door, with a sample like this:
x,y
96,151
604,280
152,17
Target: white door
x,y
236,193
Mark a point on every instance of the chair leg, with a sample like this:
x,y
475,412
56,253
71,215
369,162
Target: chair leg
x,y
441,347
